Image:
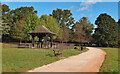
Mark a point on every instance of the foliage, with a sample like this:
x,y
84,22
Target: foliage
x,y
71,36
82,30
119,32
106,33
52,24
32,22
17,30
28,14
5,19
65,35
87,27
64,17
22,13
9,17
79,33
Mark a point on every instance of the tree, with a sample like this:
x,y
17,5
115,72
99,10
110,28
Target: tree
x,y
52,24
106,33
22,13
64,17
17,31
119,32
82,30
10,17
32,22
65,34
71,35
5,19
87,27
28,14
79,34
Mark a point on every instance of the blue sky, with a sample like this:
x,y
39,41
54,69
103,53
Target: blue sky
x,y
79,9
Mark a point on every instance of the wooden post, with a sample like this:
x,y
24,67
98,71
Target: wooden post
x,y
33,41
51,41
40,44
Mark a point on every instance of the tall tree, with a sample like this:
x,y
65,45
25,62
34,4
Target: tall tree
x,y
18,32
87,27
22,13
65,34
79,34
5,19
119,32
106,33
32,22
28,14
52,24
64,17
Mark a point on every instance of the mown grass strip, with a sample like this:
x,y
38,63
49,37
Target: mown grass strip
x,y
110,63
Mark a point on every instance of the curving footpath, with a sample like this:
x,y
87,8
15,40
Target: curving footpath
x,y
89,61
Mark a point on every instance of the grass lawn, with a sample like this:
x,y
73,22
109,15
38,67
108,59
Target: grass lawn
x,y
111,60
23,59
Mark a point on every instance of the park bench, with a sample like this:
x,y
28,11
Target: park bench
x,y
57,52
83,48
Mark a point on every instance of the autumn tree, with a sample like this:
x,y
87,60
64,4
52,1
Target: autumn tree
x,y
87,27
106,33
79,34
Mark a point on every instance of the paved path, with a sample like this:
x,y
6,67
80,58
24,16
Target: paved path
x,y
89,61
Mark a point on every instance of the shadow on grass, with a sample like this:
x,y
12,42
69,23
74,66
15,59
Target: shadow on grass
x,y
51,55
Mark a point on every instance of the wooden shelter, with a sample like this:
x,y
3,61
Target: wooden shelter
x,y
41,32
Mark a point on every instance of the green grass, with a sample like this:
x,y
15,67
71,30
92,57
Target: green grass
x,y
24,59
110,63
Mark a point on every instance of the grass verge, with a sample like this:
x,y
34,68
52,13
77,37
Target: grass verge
x,y
110,63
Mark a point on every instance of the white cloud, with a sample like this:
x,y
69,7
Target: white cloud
x,y
72,7
83,8
90,15
86,5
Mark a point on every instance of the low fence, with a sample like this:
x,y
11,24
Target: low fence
x,y
46,46
65,46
